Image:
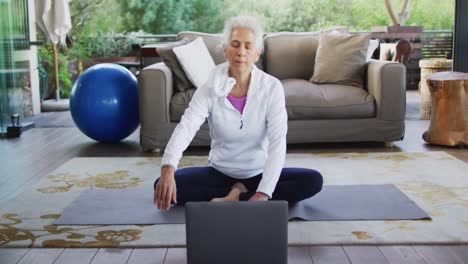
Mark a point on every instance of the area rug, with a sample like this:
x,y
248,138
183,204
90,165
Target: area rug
x,y
436,181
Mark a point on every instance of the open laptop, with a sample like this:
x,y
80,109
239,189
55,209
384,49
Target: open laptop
x,y
237,232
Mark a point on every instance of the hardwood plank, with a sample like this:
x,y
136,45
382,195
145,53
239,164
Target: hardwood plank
x,y
54,119
12,255
176,256
438,254
32,172
401,255
41,256
29,140
38,140
328,255
461,251
127,148
147,256
76,256
29,157
364,254
299,255
112,256
75,147
35,137
10,144
34,157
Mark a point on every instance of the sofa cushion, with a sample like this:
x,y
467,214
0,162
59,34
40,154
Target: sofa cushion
x,y
214,44
181,82
179,102
292,54
341,58
305,100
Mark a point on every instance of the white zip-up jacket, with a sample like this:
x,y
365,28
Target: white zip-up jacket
x,y
242,145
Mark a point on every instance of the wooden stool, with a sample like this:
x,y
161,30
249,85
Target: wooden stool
x,y
449,117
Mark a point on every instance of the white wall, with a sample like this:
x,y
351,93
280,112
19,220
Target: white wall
x,y
35,91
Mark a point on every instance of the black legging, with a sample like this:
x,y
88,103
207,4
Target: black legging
x,y
196,184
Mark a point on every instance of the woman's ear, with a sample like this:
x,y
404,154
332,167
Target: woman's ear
x,y
257,56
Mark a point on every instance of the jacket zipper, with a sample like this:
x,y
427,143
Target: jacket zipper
x,y
226,101
243,111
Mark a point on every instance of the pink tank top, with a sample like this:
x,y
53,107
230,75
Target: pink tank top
x,y
238,103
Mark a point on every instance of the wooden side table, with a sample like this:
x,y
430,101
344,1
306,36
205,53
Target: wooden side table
x,y
449,117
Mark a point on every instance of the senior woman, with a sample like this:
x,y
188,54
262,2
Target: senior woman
x,y
245,109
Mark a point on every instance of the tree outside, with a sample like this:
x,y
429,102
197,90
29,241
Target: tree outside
x,y
109,28
172,16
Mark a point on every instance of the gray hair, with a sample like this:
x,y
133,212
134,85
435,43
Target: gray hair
x,y
250,22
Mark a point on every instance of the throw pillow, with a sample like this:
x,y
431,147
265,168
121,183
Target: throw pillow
x,y
373,45
212,42
341,58
181,82
196,61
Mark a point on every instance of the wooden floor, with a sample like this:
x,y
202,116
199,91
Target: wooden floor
x,y
39,151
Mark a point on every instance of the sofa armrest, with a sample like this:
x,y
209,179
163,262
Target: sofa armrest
x,y
386,81
154,92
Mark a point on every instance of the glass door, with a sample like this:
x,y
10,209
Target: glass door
x,y
15,88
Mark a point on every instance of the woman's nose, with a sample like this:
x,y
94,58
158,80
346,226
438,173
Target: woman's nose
x,y
241,50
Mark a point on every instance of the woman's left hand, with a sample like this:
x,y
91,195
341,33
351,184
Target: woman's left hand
x,y
258,196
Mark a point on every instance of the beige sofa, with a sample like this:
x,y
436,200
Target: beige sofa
x,y
316,112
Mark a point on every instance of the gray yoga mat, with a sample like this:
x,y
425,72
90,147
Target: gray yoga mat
x,y
335,202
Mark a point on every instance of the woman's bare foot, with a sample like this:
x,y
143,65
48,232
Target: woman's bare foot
x,y
241,187
233,195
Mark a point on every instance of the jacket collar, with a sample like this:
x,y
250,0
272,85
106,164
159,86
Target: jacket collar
x,y
223,83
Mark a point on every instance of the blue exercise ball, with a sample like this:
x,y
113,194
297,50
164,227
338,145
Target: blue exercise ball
x,y
104,102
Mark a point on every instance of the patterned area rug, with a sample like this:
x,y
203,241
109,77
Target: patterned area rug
x,y
436,181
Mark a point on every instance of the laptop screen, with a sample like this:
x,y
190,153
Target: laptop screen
x,y
237,232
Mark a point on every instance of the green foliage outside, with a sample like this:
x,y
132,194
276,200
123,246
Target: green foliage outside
x,y
108,45
47,62
108,28
308,15
13,24
98,20
172,16
433,15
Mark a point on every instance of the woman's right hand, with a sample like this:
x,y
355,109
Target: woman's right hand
x,y
165,190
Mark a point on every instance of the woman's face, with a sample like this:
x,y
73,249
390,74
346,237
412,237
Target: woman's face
x,y
241,51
